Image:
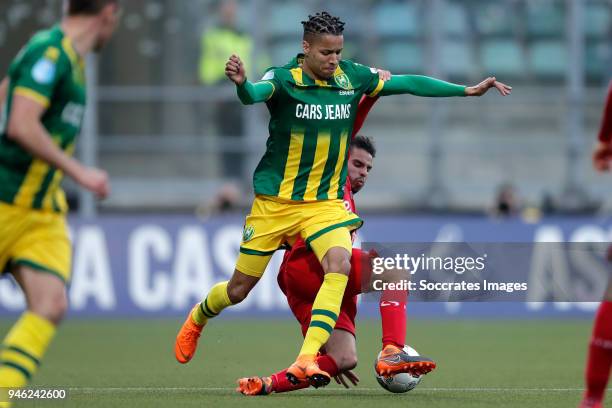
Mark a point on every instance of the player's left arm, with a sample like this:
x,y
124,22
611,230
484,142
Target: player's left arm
x,y
420,85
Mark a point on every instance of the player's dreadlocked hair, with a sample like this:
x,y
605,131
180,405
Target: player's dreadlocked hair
x,y
364,142
322,23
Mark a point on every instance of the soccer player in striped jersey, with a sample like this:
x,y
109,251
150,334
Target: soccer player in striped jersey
x,y
300,277
298,182
43,107
599,360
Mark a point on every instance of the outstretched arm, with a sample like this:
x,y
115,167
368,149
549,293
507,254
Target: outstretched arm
x,y
426,86
248,92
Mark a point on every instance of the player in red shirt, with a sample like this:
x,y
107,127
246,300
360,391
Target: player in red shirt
x,y
300,277
599,358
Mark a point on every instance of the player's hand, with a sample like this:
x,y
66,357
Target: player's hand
x,y
602,155
383,74
352,377
484,86
94,180
234,70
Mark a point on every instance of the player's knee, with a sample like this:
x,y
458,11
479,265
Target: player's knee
x,y
334,257
237,293
239,286
345,266
347,361
338,264
52,307
343,354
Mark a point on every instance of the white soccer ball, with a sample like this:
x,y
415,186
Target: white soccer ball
x,y
402,382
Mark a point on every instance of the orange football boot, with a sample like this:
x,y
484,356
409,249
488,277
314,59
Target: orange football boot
x,y
394,360
306,368
255,386
187,339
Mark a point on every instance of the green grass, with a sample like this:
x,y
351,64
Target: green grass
x,y
480,364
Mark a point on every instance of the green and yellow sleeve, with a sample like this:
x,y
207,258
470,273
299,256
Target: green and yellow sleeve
x,y
38,74
250,93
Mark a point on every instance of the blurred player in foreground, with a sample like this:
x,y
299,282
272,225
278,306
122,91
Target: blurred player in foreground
x,y
299,182
599,359
43,101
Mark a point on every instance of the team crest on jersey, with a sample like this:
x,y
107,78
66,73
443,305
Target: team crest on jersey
x,y
248,233
343,81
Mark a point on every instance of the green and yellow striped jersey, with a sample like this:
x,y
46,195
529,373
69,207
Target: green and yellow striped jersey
x,y
50,72
309,131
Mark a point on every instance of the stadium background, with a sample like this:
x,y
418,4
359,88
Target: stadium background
x,y
172,224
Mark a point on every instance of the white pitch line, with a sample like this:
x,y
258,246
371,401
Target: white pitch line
x,y
94,390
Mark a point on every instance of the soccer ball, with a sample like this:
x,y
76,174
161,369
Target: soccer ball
x,y
402,382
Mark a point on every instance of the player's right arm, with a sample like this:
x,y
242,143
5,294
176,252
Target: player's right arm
x,y
26,129
248,92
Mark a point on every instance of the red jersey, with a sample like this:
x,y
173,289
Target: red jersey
x,y
605,132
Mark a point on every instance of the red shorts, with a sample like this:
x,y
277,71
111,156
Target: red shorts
x,y
300,277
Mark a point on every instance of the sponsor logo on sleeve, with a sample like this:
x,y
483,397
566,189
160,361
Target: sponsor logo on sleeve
x,y
268,75
43,71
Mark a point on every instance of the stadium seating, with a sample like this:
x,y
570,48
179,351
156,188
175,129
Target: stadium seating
x,y
455,20
545,17
401,57
457,58
598,59
502,57
397,19
493,18
284,50
284,17
598,20
548,59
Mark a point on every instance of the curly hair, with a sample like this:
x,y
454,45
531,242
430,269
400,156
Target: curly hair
x,y
322,23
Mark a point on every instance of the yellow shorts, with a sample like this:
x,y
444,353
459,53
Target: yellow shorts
x,y
36,239
273,222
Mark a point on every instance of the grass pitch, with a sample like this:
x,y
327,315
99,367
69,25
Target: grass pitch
x,y
130,363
